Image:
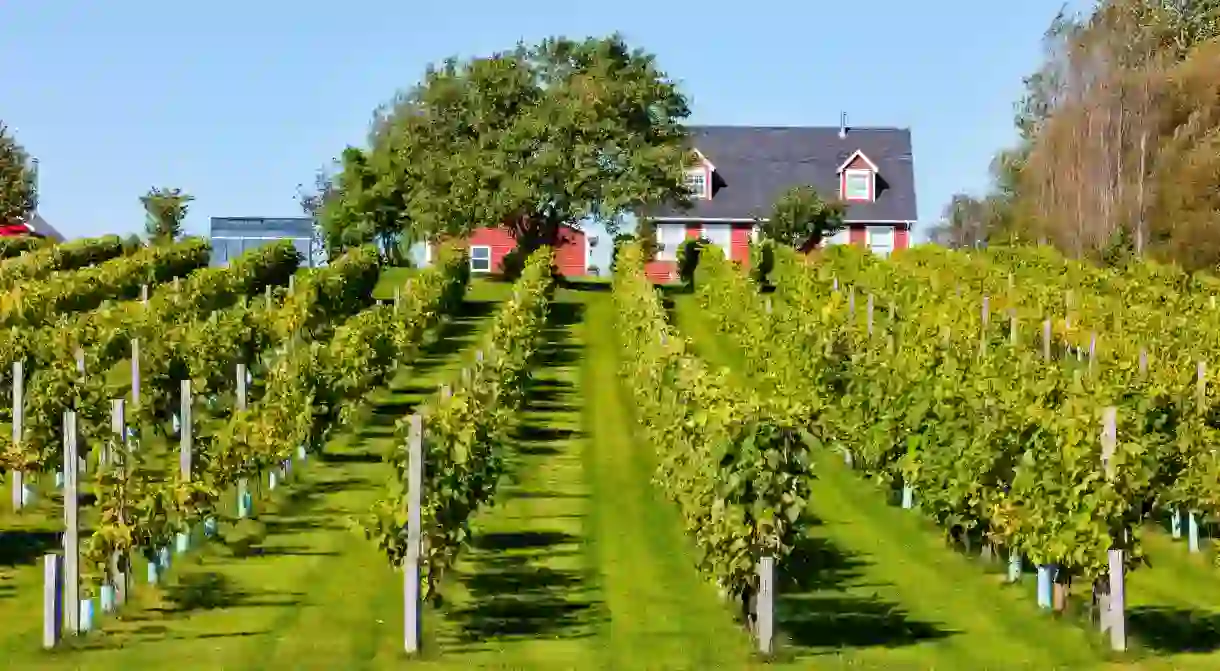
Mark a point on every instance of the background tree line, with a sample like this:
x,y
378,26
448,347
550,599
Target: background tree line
x,y
1119,141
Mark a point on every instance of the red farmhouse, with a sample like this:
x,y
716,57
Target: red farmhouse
x,y
490,244
744,169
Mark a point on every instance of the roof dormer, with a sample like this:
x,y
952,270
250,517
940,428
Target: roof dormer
x,y
699,176
858,178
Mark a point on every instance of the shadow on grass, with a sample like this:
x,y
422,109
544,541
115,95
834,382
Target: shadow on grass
x,y
813,611
352,458
23,547
208,590
1169,630
515,595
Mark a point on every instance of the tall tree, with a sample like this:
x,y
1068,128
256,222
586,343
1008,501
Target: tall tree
x,y
801,217
18,186
367,202
165,210
533,138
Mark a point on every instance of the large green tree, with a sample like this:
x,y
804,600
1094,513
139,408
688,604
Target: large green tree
x,y
165,209
532,138
18,188
801,217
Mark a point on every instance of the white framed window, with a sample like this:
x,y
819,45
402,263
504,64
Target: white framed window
x,y
720,235
669,238
696,181
841,237
480,259
857,185
881,239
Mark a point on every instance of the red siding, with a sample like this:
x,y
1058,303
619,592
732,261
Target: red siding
x,y
858,235
570,253
902,238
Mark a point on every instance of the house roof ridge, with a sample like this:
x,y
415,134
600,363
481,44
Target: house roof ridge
x,y
850,128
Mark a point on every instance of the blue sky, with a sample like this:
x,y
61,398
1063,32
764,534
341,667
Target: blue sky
x,y
239,102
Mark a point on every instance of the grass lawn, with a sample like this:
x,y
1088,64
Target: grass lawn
x,y
878,588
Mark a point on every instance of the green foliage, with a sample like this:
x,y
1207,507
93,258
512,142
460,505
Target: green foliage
x,y
37,303
367,203
165,211
688,258
801,217
736,463
535,137
762,261
465,434
10,247
18,188
72,255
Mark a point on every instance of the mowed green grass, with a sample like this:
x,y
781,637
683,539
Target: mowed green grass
x,y
876,586
578,565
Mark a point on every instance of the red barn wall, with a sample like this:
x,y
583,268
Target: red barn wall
x,y
570,251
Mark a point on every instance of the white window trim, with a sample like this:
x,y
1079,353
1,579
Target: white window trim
x,y
472,259
841,237
728,249
893,239
663,252
869,175
703,174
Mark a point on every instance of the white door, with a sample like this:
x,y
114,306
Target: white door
x,y
720,235
669,239
841,237
881,239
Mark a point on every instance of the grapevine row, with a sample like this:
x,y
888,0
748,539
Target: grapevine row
x,y
736,463
39,263
464,434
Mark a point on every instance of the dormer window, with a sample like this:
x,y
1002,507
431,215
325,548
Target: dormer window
x,y
858,178
858,185
696,181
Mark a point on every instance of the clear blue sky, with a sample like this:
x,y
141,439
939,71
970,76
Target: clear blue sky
x,y
239,102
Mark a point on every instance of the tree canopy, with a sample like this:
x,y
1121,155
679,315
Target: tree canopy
x,y
801,217
165,210
533,138
1119,149
18,187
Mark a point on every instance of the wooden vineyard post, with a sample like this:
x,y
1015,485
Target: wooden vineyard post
x,y
870,314
267,295
1192,520
851,301
1046,340
18,417
397,298
186,447
1114,618
1092,352
52,600
144,294
118,457
243,485
292,284
765,605
1143,362
71,590
135,372
412,598
1012,328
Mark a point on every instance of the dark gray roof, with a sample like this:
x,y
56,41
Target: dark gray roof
x,y
755,165
39,226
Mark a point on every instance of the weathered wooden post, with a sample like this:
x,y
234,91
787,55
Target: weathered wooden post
x,y
119,569
144,294
765,605
244,500
52,600
1046,340
851,301
18,418
71,525
1143,362
412,601
870,314
186,448
1114,618
135,372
